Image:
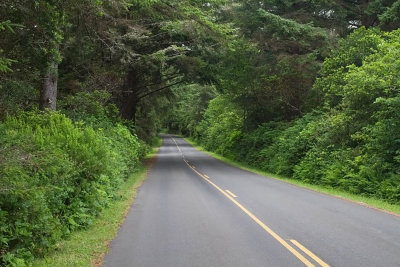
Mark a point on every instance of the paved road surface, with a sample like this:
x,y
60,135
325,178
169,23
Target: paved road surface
x,y
194,210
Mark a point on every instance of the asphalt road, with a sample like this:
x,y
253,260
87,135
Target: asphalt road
x,y
193,210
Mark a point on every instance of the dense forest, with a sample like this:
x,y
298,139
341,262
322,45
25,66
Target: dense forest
x,y
305,89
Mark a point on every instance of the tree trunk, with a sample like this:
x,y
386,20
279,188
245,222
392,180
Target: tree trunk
x,y
129,101
48,94
128,108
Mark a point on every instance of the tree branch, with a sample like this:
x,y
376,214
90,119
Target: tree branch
x,y
153,84
293,107
159,89
137,90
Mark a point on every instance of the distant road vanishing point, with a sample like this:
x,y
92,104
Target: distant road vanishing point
x,y
194,210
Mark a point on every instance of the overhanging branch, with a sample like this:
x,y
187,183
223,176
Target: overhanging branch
x,y
154,84
159,89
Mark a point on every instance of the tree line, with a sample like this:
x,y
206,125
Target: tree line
x,y
82,87
301,88
307,90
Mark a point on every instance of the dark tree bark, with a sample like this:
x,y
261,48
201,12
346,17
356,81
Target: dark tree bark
x,y
48,93
137,88
129,99
128,107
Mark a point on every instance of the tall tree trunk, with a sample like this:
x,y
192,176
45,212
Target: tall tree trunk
x,y
129,107
48,94
130,99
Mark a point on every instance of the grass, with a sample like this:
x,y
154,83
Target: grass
x,y
370,202
87,247
156,145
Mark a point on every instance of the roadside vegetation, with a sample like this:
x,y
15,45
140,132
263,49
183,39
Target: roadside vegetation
x,y
311,98
58,174
371,202
82,87
304,89
87,246
348,141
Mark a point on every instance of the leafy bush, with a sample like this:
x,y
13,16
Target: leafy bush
x,y
352,51
16,97
92,108
290,146
249,147
352,143
220,128
56,176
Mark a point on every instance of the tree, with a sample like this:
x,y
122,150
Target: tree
x,y
272,69
5,63
340,16
39,43
171,48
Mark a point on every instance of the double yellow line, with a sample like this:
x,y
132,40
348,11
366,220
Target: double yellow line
x,y
261,224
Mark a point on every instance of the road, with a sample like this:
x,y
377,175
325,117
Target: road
x,y
194,210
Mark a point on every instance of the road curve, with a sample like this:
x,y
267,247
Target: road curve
x,y
194,210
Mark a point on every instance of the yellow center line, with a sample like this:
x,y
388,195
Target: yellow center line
x,y
309,253
177,145
206,176
260,223
230,193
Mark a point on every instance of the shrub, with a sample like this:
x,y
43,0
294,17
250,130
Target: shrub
x,y
251,144
352,143
56,176
15,97
221,126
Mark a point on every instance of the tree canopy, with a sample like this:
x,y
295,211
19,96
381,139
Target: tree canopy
x,y
302,88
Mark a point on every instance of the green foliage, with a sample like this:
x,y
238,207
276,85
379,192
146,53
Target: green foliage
x,y
221,126
56,176
281,28
161,62
15,97
249,146
141,3
352,143
390,18
288,147
96,110
352,50
92,108
342,16
5,63
188,110
358,151
148,119
270,72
